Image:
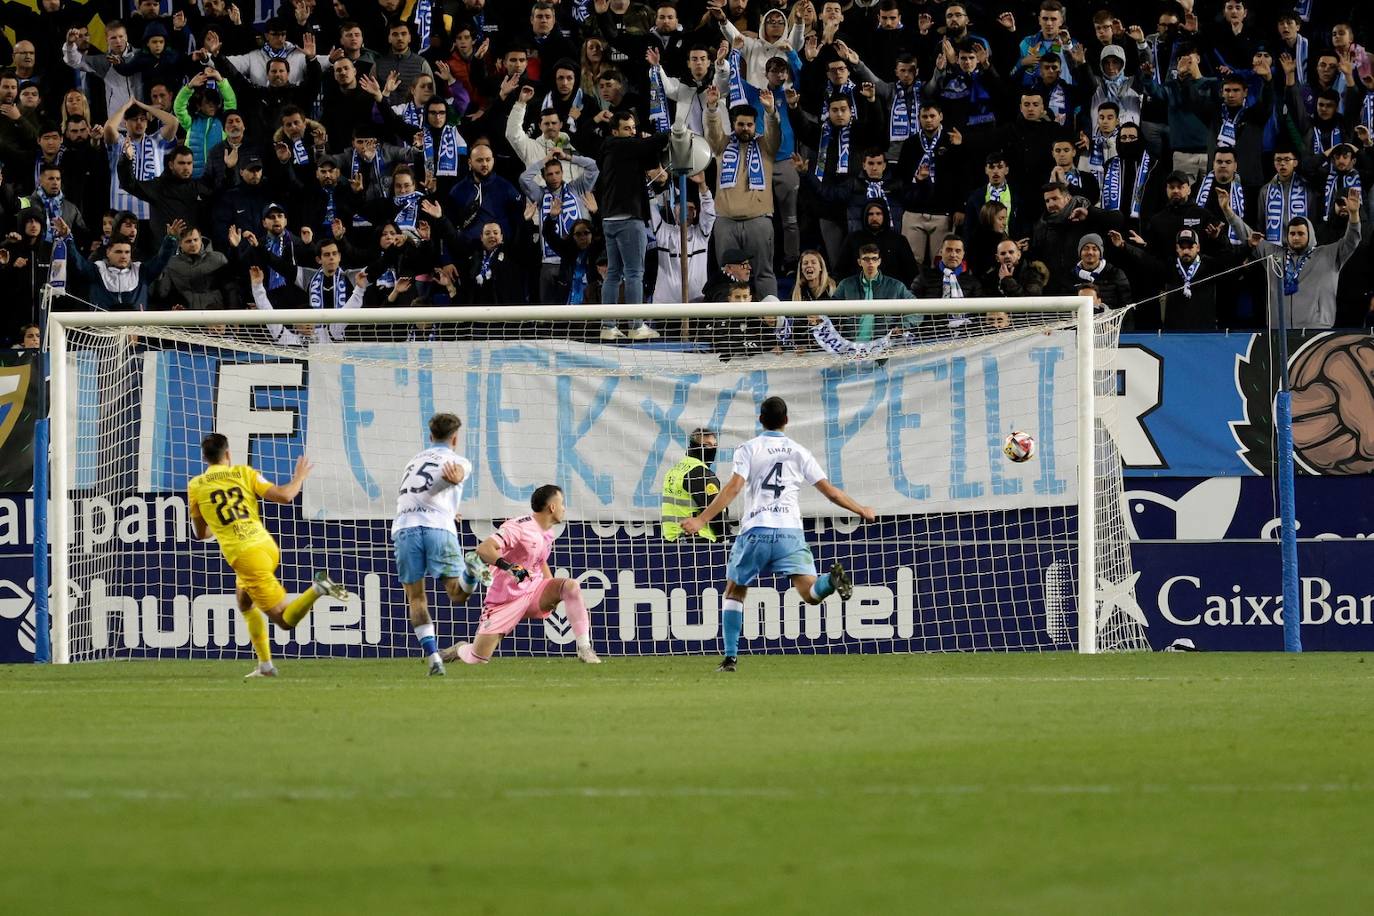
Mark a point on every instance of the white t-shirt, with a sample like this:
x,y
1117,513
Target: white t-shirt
x,y
774,468
425,498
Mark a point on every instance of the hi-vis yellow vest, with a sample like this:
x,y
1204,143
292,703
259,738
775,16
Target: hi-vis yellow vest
x,y
677,500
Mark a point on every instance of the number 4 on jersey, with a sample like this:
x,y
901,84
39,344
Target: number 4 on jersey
x,y
772,481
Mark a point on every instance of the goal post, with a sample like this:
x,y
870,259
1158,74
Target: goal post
x,y
985,554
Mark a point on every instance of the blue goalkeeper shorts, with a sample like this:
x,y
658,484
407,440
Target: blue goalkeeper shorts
x,y
782,551
424,552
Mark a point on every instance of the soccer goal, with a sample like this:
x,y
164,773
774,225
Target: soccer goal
x,y
906,405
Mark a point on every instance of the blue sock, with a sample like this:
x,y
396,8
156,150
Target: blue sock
x,y
822,587
428,644
732,622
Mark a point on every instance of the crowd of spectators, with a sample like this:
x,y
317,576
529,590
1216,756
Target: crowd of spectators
x,y
1202,159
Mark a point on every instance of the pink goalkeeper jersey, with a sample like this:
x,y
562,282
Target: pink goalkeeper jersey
x,y
525,544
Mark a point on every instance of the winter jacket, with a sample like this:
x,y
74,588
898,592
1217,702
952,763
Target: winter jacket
x,y
139,277
194,282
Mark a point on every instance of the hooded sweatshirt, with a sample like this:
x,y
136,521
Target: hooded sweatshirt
x,y
1317,269
758,52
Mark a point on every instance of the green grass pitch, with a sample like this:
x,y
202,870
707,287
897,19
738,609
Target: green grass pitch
x,y
1152,784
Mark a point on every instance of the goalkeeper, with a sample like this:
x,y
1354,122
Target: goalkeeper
x,y
689,486
223,501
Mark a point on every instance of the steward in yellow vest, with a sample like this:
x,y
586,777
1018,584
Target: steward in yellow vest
x,y
689,486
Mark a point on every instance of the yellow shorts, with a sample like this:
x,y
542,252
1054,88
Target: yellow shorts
x,y
256,570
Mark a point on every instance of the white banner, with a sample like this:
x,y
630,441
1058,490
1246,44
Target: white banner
x,y
908,434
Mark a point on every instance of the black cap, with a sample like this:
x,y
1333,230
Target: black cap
x,y
250,162
1179,178
273,208
735,256
1187,235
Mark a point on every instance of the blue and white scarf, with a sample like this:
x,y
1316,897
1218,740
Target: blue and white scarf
x,y
299,154
902,121
847,90
658,102
410,113
341,290
569,212
1337,184
283,54
424,22
1319,145
277,244
38,162
949,282
52,207
1300,60
1280,206
1098,156
729,165
1292,270
928,147
329,211
145,157
1142,175
736,95
1304,9
1204,194
841,159
1111,184
451,147
1057,103
577,287
582,10
1226,133
1187,273
408,212
874,189
376,166
569,124
484,269
1366,112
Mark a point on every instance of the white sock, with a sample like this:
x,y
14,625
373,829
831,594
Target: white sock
x,y
584,642
423,630
264,666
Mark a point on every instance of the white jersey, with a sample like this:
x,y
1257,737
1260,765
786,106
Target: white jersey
x,y
774,468
425,498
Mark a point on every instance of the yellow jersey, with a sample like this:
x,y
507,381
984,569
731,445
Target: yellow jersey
x,y
227,496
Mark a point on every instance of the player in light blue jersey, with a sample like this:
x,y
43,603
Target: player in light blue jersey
x,y
771,537
425,531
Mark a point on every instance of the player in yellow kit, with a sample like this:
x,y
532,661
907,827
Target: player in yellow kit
x,y
224,502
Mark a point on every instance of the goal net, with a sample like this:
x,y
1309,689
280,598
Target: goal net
x,y
970,550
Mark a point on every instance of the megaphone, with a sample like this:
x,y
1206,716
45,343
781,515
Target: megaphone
x,y
687,153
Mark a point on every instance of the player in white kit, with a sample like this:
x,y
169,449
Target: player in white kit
x,y
771,537
425,530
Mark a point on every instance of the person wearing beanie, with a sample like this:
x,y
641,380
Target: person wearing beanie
x,y
1092,268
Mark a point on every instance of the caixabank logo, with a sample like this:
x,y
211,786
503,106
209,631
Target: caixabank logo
x,y
1332,379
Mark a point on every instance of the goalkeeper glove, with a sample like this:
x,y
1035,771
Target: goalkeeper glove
x,y
519,572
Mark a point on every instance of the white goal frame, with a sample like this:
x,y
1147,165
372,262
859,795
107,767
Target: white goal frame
x,y
1079,307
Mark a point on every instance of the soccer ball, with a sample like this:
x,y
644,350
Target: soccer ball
x,y
1019,447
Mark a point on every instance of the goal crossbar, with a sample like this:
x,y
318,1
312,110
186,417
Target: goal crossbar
x,y
569,313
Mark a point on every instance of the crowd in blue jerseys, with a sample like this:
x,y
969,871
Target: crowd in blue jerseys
x,y
1203,160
